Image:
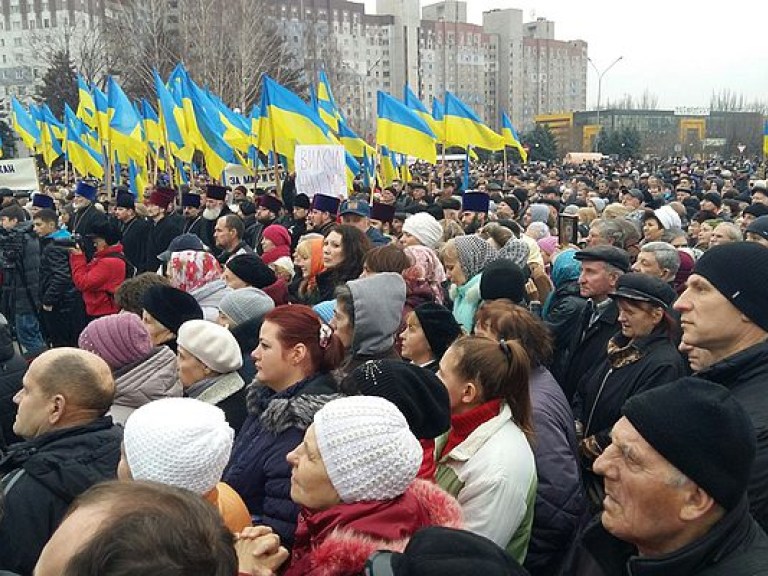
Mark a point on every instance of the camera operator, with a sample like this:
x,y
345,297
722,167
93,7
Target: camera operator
x,y
98,279
20,259
63,312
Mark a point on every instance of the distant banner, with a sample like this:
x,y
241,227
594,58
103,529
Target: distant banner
x,y
321,169
20,174
236,175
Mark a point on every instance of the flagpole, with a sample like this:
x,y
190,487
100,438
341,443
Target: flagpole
x,y
278,187
108,168
505,162
442,168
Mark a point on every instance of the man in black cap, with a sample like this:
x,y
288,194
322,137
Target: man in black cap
x,y
724,311
713,202
215,207
134,230
298,226
6,197
322,216
190,209
757,231
268,211
675,479
601,268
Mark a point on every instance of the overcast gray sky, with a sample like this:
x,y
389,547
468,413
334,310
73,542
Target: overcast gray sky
x,y
679,50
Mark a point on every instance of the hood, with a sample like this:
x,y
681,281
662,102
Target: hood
x,y
209,297
60,234
151,379
378,302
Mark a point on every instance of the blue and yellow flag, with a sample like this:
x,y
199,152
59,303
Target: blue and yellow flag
x,y
401,130
24,124
84,158
462,125
765,138
326,104
86,107
510,136
151,124
285,120
101,102
439,119
171,119
412,101
352,142
137,179
124,125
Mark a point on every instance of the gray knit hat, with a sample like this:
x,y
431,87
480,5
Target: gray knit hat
x,y
246,304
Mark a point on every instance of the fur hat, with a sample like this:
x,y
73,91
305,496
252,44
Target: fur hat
x,y
171,306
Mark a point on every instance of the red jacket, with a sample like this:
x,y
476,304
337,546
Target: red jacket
x,y
338,541
99,279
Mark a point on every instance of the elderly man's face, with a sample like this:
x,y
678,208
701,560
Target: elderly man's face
x,y
643,499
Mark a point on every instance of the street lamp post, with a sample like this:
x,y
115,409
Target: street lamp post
x,y
600,90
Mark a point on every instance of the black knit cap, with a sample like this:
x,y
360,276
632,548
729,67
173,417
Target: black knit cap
x,y
416,391
713,197
437,550
439,326
714,442
739,271
503,279
252,270
171,306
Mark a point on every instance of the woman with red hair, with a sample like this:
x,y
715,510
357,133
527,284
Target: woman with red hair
x,y
294,359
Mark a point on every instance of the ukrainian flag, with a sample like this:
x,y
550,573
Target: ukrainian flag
x,y
24,125
765,138
50,147
86,108
171,122
101,102
510,136
85,159
151,124
463,125
412,101
47,116
124,125
352,142
137,179
236,127
439,119
216,151
326,104
402,130
285,120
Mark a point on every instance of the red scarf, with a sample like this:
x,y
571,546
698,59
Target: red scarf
x,y
462,425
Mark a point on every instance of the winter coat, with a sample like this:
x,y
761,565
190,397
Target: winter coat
x,y
84,219
466,300
735,546
99,279
493,470
247,336
22,268
745,374
338,541
56,288
560,502
588,346
627,370
193,226
228,393
41,478
135,244
152,378
275,425
563,316
12,370
209,297
376,238
159,238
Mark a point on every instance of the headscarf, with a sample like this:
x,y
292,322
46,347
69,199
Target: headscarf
x,y
474,253
516,251
426,268
315,262
190,269
565,268
280,237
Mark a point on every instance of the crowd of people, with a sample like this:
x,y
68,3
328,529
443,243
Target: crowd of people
x,y
553,370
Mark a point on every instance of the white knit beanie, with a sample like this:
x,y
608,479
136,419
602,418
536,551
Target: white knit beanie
x,y
367,447
213,345
425,228
180,442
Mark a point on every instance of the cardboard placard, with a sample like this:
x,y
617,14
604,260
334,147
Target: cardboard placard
x,y
19,174
321,169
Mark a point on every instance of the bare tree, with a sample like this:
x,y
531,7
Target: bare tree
x,y
728,101
647,101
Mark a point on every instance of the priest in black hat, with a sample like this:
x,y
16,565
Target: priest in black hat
x,y
134,230
215,208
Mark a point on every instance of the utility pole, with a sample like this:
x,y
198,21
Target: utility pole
x,y
599,93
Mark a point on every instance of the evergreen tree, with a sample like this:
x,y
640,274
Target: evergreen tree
x,y
6,134
624,143
59,84
541,144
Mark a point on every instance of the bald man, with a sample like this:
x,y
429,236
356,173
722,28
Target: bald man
x,y
69,445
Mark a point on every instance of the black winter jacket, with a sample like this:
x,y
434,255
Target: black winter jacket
x,y
563,318
746,375
12,370
134,243
160,236
85,219
56,287
41,478
22,264
735,546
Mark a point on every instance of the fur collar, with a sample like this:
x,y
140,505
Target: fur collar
x,y
225,386
345,550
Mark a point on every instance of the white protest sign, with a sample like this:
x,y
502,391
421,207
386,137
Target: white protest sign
x,y
19,174
321,169
237,175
